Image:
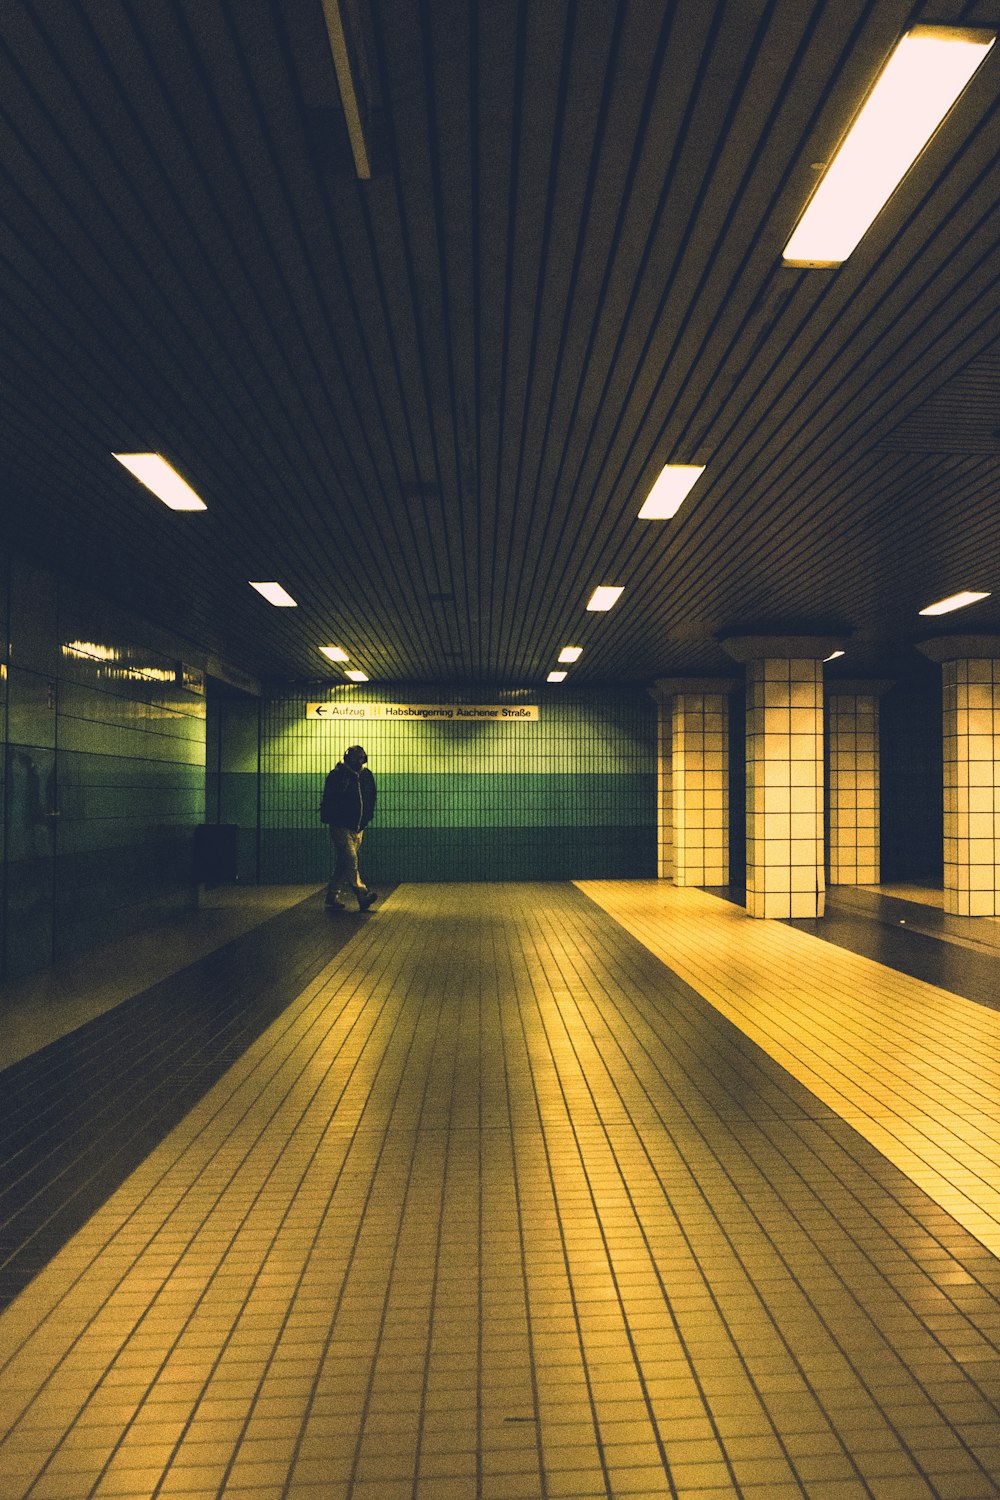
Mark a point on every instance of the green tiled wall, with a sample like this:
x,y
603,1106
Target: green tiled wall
x,y
104,772
231,781
570,796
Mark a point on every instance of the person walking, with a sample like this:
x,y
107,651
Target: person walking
x,y
347,807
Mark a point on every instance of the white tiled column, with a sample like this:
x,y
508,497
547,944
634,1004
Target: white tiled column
x,y
970,682
852,740
664,786
701,789
693,792
971,787
786,874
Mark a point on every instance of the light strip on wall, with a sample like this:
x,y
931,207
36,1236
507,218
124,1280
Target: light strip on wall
x,y
275,594
604,597
152,470
570,653
925,74
335,653
954,601
833,656
671,489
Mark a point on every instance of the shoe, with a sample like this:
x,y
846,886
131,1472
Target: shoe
x,y
368,899
334,905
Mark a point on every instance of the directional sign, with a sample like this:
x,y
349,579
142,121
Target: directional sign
x,y
449,713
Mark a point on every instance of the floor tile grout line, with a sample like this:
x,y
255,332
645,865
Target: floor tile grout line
x,y
74,1167
98,1025
762,1063
66,1200
307,1260
778,1031
640,1225
197,1304
780,1065
556,1102
239,1166
939,1006
581,1343
858,1374
582,1156
288,1019
181,1050
978,1019
750,1280
187,1142
450,980
386,1134
806,1054
957,1310
332,1112
220,1031
789,1058
91,1052
525,1281
390,1276
801,1085
660,1040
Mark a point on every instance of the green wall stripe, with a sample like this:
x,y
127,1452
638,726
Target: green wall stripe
x,y
571,796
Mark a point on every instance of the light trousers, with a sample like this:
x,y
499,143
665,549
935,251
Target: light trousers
x,y
345,872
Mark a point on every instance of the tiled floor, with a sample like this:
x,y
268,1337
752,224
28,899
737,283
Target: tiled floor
x,y
82,1112
45,1006
506,1204
915,1069
928,895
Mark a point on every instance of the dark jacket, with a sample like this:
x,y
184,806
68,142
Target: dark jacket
x,y
348,798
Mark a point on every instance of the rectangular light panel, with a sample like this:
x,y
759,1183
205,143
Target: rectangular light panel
x,y
670,491
275,594
923,77
357,676
571,653
152,470
556,677
954,601
604,597
335,653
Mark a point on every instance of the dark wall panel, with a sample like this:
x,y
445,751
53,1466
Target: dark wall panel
x,y
912,799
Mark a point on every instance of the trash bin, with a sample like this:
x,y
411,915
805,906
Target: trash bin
x,y
216,847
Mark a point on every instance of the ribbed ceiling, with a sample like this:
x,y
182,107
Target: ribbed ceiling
x,y
431,404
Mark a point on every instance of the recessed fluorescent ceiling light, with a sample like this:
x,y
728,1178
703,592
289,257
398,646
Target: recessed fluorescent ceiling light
x,y
956,601
335,653
556,677
923,77
357,676
156,474
833,656
670,491
571,653
275,594
604,597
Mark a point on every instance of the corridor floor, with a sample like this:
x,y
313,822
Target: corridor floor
x,y
544,1191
